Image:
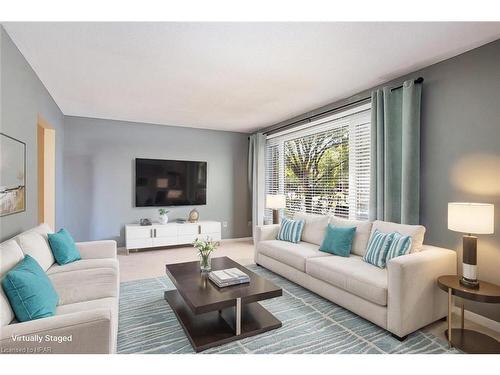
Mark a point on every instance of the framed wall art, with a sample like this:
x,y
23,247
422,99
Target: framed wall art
x,y
12,175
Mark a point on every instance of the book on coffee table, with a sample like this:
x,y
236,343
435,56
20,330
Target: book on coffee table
x,y
227,277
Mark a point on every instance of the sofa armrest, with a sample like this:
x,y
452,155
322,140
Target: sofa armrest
x,y
264,233
97,249
89,332
414,299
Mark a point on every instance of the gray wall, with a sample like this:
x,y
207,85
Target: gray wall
x,y
99,169
460,149
23,98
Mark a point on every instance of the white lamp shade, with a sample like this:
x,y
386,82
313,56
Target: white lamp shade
x,y
474,218
275,201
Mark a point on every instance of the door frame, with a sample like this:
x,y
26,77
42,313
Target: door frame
x,y
46,140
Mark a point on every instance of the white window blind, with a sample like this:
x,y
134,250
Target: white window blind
x,y
323,167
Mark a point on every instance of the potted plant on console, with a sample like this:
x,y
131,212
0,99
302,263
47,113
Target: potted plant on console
x,y
163,215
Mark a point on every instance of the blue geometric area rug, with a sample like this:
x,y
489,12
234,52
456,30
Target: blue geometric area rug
x,y
311,324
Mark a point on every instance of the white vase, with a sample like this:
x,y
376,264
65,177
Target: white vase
x,y
164,219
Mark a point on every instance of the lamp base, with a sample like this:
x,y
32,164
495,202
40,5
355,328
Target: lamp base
x,y
276,217
469,263
471,284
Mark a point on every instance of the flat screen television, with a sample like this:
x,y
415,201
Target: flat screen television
x,y
161,183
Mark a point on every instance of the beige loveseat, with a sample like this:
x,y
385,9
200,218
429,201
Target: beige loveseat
x,y
86,319
400,298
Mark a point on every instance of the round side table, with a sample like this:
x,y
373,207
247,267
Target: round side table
x,y
468,340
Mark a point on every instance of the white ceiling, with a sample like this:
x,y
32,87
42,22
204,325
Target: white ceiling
x,y
228,76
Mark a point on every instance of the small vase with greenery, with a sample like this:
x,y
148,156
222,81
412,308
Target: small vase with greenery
x,y
205,250
163,215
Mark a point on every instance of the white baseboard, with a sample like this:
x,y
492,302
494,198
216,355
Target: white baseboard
x,y
479,319
241,239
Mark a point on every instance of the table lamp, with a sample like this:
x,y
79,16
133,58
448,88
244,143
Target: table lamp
x,y
276,202
470,218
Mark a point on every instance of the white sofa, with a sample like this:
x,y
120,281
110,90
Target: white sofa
x,y
400,298
88,289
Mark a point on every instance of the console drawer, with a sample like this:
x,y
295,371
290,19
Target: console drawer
x,y
139,232
187,229
168,230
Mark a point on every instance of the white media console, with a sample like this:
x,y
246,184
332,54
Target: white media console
x,y
157,235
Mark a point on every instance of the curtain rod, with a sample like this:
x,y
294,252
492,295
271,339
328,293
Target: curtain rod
x,y
418,80
311,118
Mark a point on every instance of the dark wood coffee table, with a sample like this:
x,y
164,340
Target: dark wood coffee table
x,y
213,316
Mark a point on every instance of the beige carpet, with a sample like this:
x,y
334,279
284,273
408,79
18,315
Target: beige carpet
x,y
145,264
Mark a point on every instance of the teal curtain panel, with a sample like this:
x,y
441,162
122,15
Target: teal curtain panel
x,y
256,177
395,154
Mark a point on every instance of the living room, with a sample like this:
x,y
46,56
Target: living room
x,y
250,188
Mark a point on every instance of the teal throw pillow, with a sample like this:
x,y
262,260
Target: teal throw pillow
x,y
63,247
338,240
290,230
400,245
30,291
378,247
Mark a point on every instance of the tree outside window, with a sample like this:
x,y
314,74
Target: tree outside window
x,y
316,167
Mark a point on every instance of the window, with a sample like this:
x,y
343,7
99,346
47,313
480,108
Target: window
x,y
324,166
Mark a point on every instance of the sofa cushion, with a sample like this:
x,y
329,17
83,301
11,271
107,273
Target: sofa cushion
x,y
84,264
43,229
400,245
378,247
338,240
290,230
351,274
35,244
29,290
416,232
362,235
291,254
10,255
85,285
63,247
314,227
102,303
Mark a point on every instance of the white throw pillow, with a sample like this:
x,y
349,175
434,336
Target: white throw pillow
x,y
35,244
314,228
43,229
10,255
416,232
361,236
